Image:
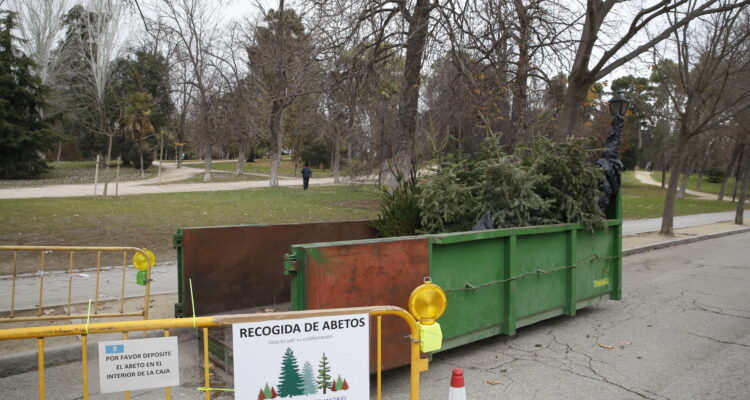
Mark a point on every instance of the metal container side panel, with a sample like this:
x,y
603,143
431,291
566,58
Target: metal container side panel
x,y
471,314
238,267
545,255
593,273
365,274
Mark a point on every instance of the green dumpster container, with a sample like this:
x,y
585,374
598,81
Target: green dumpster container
x,y
496,280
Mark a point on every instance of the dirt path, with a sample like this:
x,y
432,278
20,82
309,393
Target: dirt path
x,y
170,174
645,177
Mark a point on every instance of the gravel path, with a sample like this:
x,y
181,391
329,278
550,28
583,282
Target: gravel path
x,y
645,177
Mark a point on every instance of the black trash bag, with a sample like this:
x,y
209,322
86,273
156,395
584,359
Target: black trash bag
x,y
610,164
484,223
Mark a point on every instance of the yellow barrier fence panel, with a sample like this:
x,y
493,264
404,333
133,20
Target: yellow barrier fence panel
x,y
200,327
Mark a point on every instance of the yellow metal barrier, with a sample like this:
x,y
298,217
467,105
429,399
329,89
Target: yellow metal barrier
x,y
204,323
72,250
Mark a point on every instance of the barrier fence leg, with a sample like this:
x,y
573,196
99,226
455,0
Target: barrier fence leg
x,y
40,350
380,359
85,366
206,375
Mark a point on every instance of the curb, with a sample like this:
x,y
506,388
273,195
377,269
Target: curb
x,y
677,242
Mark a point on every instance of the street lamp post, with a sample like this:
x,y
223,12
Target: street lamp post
x,y
610,162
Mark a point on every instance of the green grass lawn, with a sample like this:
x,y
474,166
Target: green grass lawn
x,y
72,172
149,221
647,201
706,187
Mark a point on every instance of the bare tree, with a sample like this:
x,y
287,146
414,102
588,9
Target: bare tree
x,y
601,52
100,42
283,65
711,88
41,23
192,24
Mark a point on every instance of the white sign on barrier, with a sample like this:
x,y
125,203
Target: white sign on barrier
x,y
138,364
318,358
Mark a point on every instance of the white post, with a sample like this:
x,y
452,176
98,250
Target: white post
x,y
96,174
161,153
117,175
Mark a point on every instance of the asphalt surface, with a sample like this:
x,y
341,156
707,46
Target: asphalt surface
x,y
682,331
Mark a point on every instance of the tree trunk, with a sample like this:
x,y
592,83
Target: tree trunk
x,y
667,218
683,185
335,157
520,83
59,150
275,142
106,167
739,216
207,176
404,143
240,168
728,174
663,171
570,114
737,173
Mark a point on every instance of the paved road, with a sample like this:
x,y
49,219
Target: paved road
x,y
682,331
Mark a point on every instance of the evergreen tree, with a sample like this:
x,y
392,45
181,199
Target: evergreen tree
x,y
345,385
324,370
290,381
308,379
339,382
261,395
333,386
273,393
23,133
267,391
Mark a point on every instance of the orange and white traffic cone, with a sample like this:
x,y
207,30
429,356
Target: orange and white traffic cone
x,y
458,391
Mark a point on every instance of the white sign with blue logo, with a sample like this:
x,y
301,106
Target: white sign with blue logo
x,y
138,364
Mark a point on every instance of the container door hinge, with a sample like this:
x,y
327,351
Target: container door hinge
x,y
290,264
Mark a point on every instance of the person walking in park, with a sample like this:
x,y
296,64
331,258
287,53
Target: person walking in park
x,y
306,174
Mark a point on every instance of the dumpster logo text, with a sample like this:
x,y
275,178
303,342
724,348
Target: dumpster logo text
x,y
601,282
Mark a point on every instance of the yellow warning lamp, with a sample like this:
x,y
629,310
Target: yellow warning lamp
x,y
427,303
143,261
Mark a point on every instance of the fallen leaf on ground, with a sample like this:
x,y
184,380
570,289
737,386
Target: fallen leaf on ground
x,y
604,346
493,382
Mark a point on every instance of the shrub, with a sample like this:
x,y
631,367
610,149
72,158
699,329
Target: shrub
x,y
714,175
400,210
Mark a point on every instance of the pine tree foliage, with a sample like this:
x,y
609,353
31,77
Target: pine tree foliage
x,y
569,181
544,183
290,381
400,212
23,133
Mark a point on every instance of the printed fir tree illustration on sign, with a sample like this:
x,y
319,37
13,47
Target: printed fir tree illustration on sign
x,y
293,382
